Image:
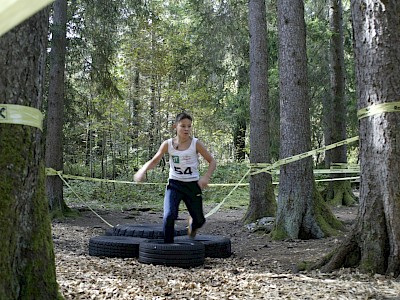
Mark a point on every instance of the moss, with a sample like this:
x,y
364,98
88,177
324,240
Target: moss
x,y
320,222
304,266
327,221
325,227
348,198
68,213
25,221
40,274
10,166
279,233
263,207
340,193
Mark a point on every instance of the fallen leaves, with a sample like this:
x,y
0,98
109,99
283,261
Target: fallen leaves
x,y
81,276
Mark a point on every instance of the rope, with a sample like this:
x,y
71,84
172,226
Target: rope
x,y
91,209
268,168
215,209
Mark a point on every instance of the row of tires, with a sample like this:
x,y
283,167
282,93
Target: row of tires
x,y
145,242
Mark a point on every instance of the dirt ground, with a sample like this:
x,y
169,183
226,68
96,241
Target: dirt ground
x,y
258,269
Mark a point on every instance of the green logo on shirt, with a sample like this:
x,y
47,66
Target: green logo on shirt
x,y
175,159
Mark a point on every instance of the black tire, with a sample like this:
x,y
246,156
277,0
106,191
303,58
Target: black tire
x,y
108,232
148,231
183,254
114,246
216,246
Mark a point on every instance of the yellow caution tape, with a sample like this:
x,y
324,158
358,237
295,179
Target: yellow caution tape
x,y
329,171
52,172
343,165
378,109
268,167
336,171
22,115
264,168
338,179
13,12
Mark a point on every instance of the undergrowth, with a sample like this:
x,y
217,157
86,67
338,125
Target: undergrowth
x,y
128,196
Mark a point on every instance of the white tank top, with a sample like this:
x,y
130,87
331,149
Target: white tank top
x,y
183,164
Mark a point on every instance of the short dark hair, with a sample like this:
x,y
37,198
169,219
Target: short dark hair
x,y
181,116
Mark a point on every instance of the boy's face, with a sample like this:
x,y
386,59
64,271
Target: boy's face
x,y
184,127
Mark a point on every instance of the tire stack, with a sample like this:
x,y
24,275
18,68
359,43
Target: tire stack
x,y
145,242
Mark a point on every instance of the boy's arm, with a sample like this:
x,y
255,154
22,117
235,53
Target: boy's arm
x,y
212,164
140,174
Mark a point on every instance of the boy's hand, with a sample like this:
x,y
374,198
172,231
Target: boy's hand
x,y
203,182
139,176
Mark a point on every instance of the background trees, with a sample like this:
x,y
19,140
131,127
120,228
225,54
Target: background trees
x,y
132,66
160,58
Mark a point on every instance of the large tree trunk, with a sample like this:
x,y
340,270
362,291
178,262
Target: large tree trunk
x,y
301,211
262,198
338,192
374,244
26,250
55,110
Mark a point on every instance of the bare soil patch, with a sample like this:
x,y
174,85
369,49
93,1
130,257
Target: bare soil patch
x,y
258,269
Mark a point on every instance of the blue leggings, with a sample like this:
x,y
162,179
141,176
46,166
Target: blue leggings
x,y
190,193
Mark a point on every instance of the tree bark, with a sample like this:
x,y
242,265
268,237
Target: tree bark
x,y
337,72
262,198
375,241
300,205
55,109
26,250
338,192
240,126
239,140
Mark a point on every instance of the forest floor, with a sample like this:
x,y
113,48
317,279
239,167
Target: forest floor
x,y
259,268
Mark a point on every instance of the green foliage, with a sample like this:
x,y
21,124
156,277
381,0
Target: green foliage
x,y
132,67
124,196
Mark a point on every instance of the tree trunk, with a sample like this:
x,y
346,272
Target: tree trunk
x,y
55,110
374,244
262,198
239,133
299,204
337,72
135,109
152,119
338,192
239,140
26,257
